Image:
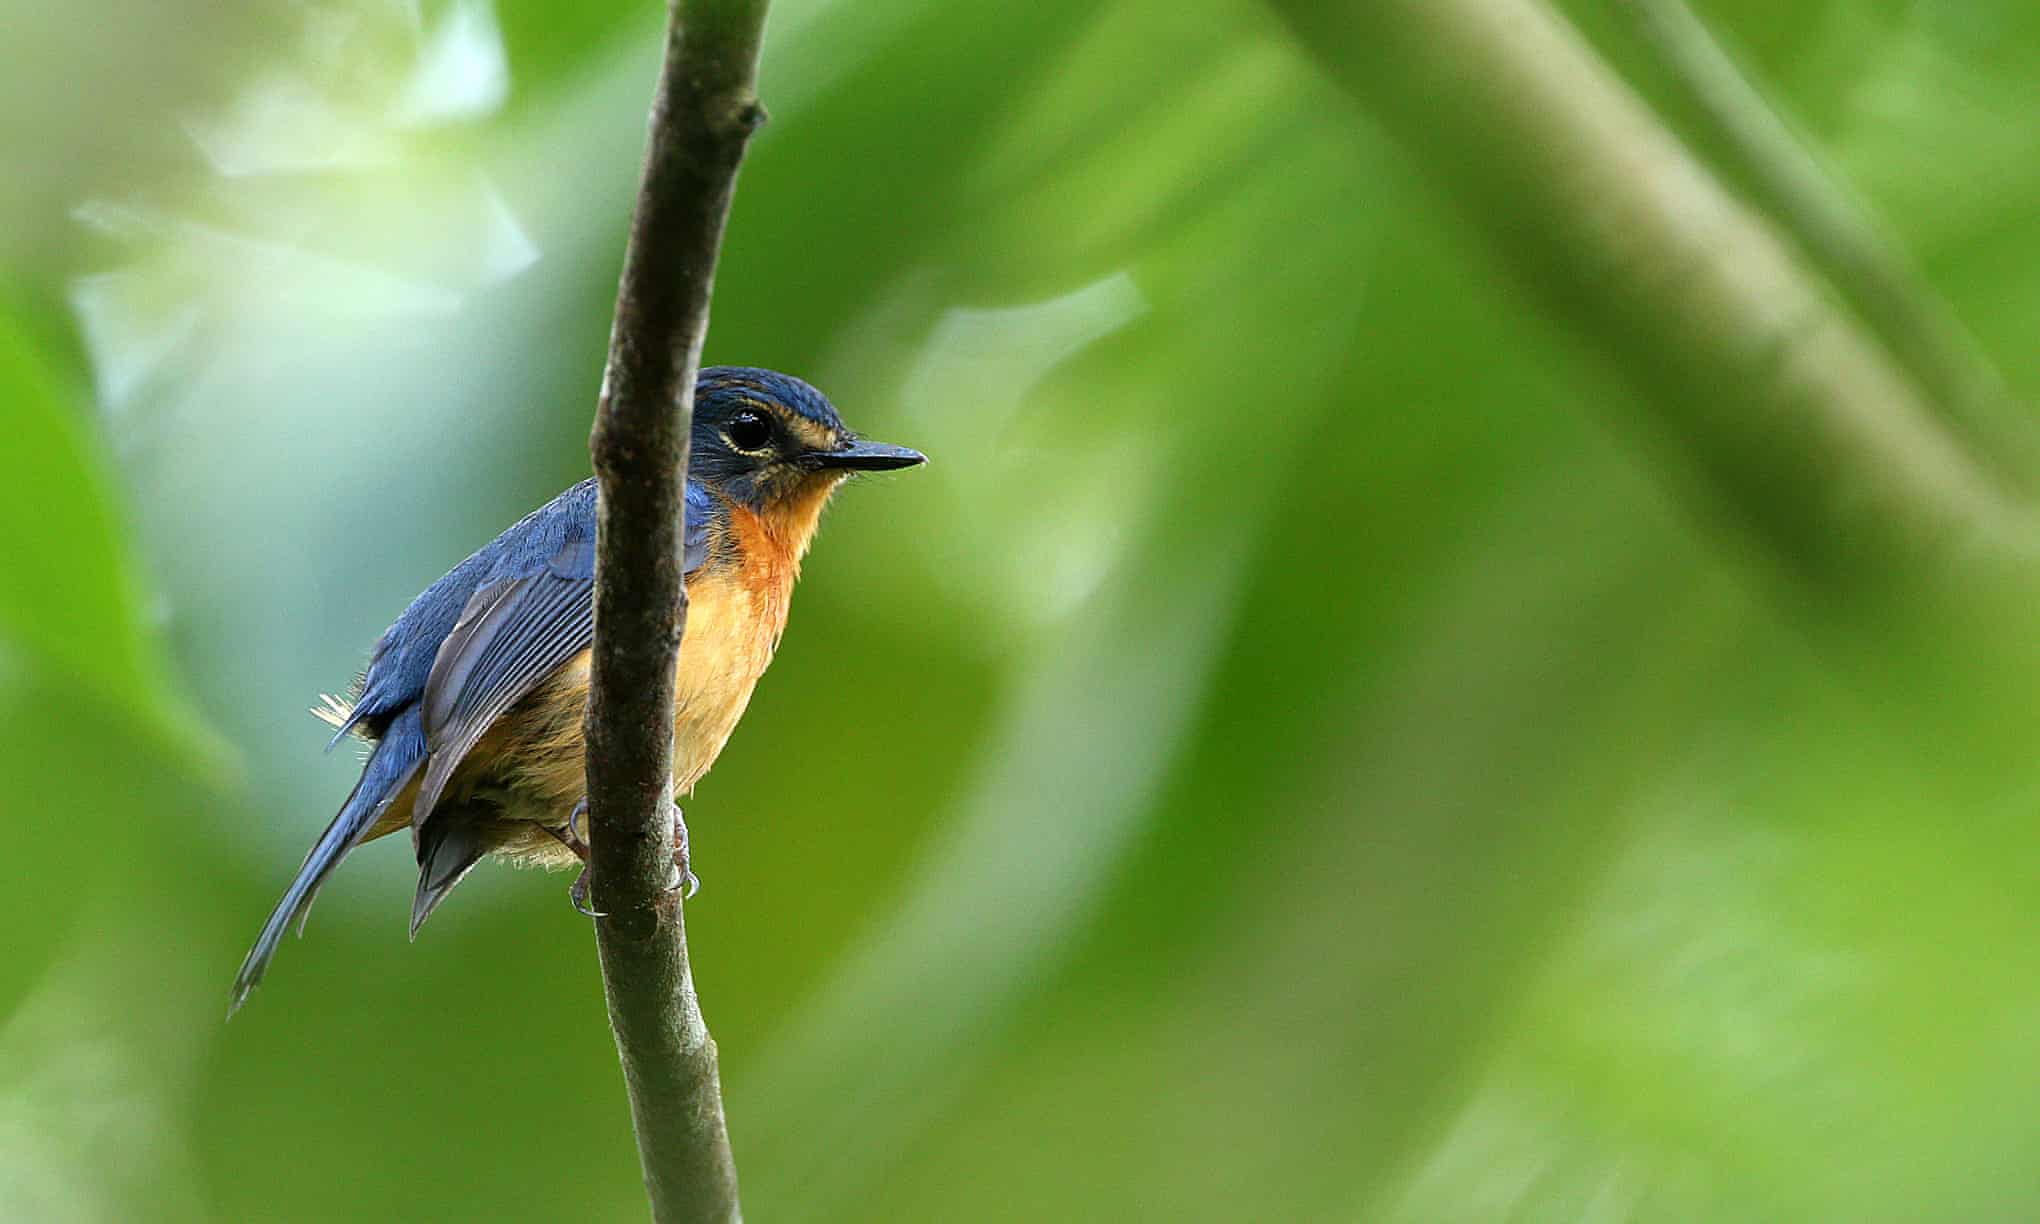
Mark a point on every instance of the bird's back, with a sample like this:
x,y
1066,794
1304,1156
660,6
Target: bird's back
x,y
403,656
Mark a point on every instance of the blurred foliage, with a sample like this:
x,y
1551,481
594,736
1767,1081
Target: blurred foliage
x,y
1284,759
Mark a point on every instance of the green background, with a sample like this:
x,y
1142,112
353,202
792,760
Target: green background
x,y
1292,755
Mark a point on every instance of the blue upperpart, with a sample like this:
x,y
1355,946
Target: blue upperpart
x,y
403,656
722,389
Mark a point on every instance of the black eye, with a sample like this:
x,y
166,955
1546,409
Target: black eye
x,y
749,431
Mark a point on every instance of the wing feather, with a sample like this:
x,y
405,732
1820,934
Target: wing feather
x,y
512,635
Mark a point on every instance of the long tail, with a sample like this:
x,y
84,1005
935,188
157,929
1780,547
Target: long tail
x,y
395,759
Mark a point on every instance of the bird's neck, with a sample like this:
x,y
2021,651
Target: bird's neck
x,y
779,534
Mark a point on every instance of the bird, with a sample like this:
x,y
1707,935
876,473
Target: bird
x,y
472,702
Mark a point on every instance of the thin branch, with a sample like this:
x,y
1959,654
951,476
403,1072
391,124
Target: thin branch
x,y
702,117
1847,241
1791,419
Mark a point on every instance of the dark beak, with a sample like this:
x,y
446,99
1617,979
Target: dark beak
x,y
862,456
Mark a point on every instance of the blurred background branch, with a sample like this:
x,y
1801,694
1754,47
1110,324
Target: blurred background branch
x,y
1793,420
1835,228
702,116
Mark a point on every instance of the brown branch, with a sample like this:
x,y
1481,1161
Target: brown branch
x,y
702,117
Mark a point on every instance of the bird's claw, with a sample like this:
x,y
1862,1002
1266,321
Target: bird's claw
x,y
689,882
570,837
577,895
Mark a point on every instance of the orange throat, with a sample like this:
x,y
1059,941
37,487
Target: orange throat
x,y
779,536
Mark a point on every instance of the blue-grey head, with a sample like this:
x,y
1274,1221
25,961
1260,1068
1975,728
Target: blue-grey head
x,y
772,443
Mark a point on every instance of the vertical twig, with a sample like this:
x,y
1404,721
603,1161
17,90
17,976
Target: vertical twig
x,y
702,117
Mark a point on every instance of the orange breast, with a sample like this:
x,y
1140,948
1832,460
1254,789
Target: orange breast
x,y
734,620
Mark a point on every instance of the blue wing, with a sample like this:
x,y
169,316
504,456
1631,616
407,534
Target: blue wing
x,y
402,664
512,633
464,652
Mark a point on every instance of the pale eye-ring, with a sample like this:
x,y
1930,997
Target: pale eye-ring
x,y
749,431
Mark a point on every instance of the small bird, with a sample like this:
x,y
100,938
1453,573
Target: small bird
x,y
474,699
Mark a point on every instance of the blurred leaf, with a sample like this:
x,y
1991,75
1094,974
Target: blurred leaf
x,y
102,763
68,595
70,608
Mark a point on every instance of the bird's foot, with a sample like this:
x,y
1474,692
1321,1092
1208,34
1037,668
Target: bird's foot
x,y
569,836
688,880
577,896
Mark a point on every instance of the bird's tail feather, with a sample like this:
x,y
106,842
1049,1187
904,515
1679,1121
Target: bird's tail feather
x,y
395,759
448,848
